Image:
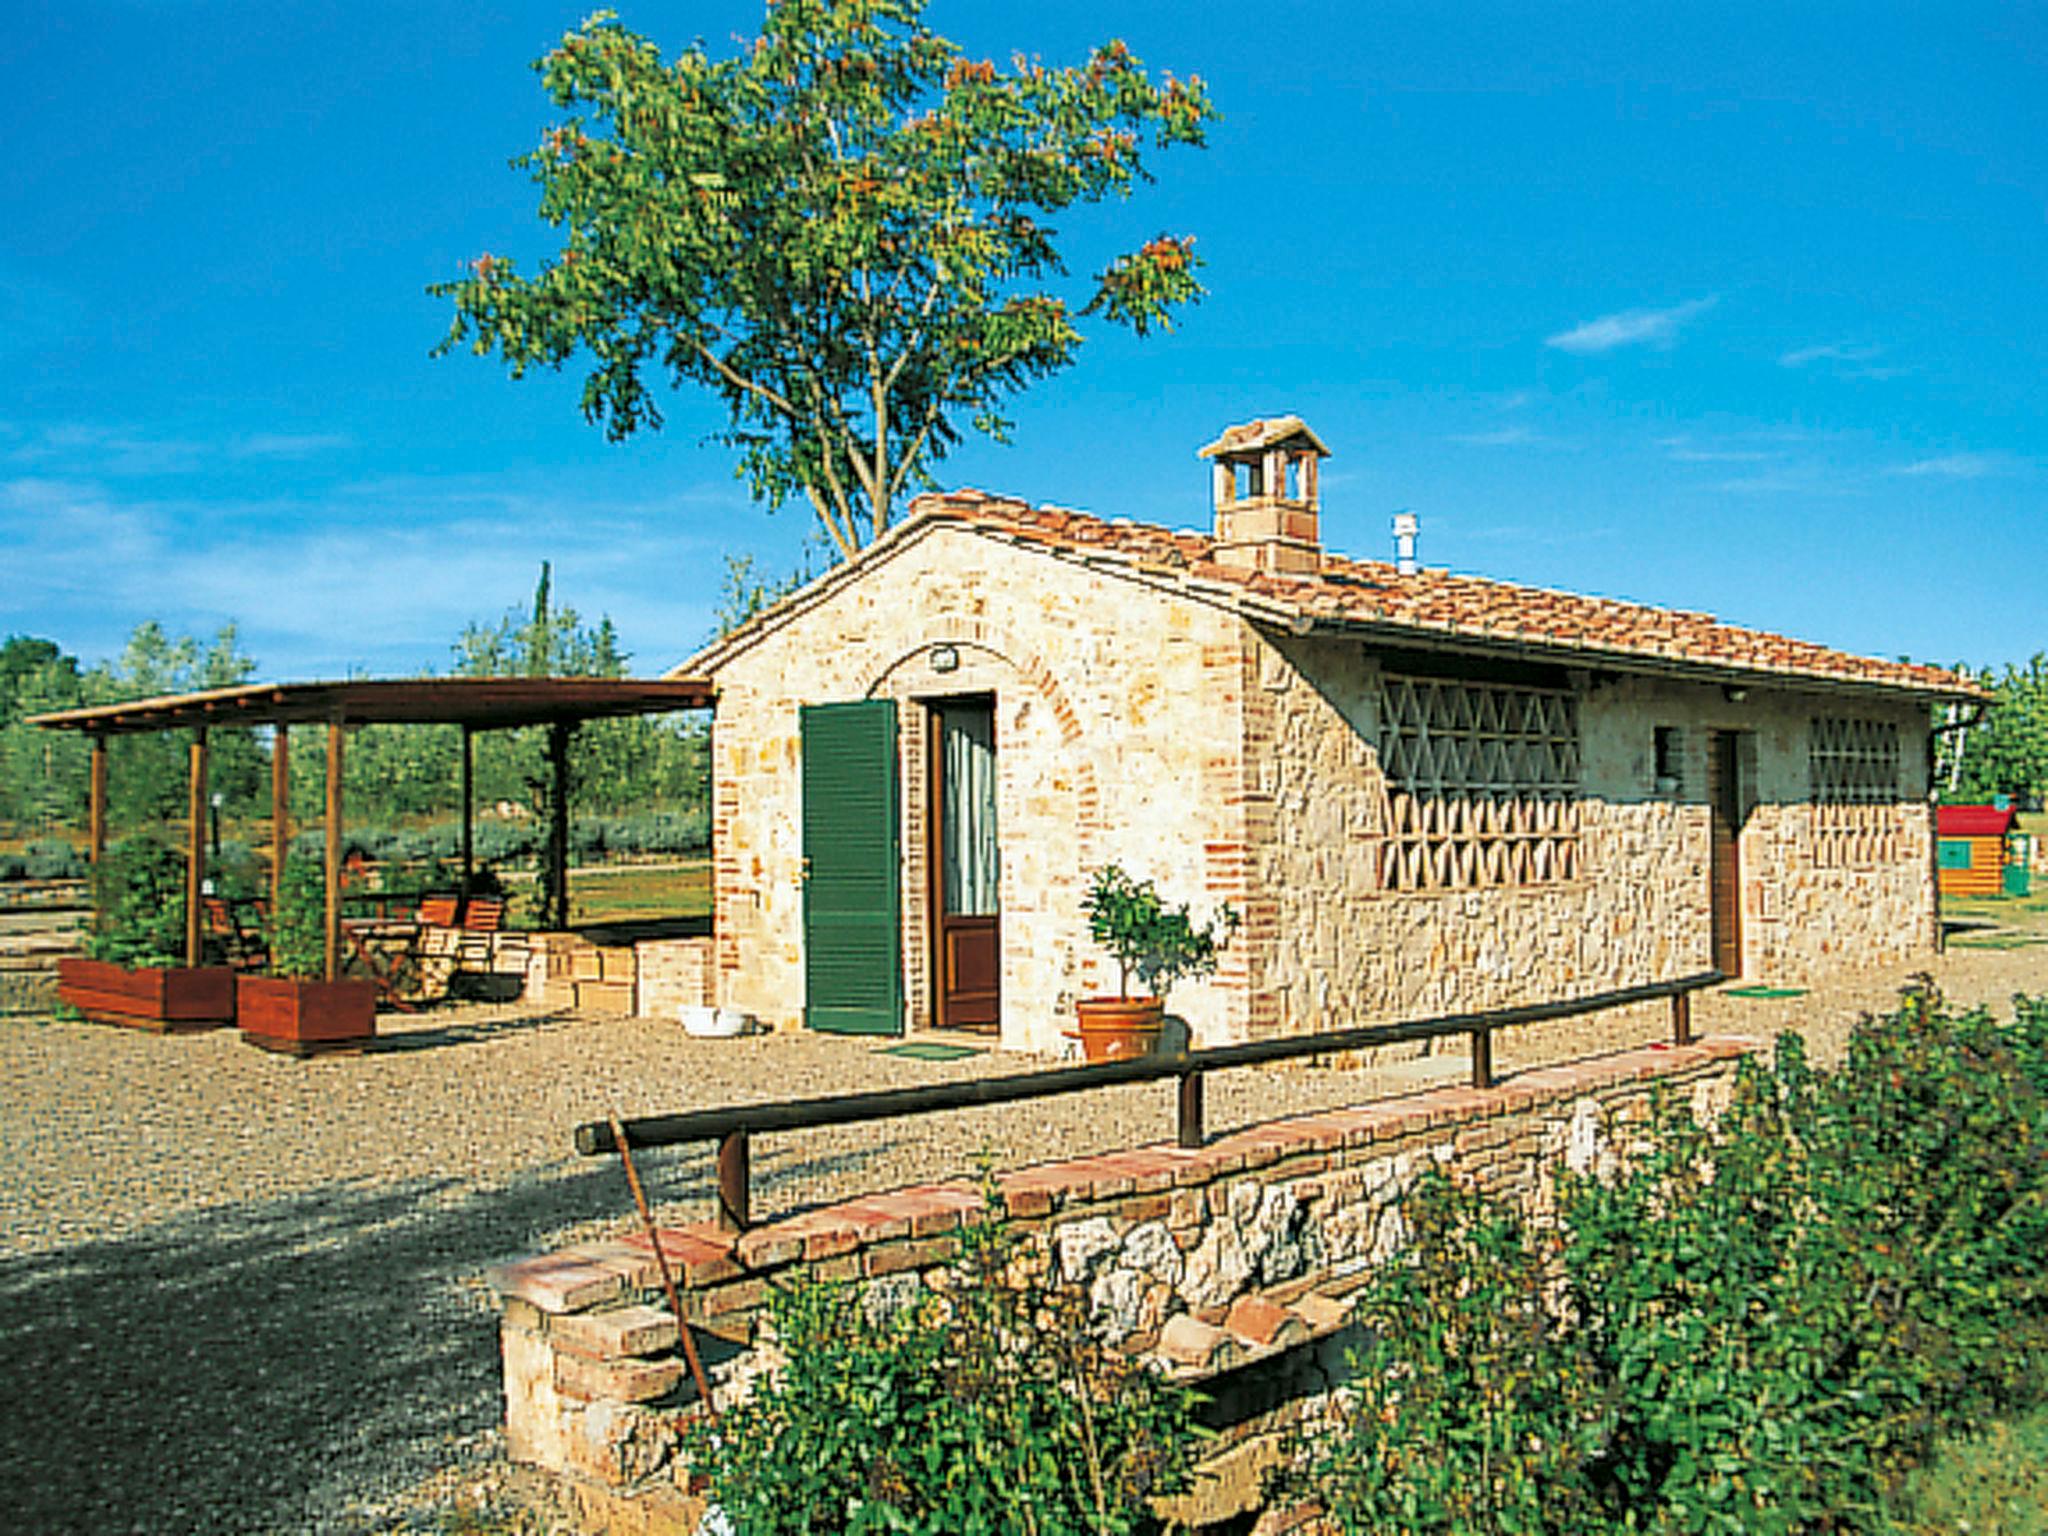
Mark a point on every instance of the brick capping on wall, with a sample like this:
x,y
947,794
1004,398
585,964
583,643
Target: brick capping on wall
x,y
1205,1261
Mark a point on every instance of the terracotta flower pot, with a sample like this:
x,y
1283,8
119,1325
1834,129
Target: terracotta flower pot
x,y
304,1018
1119,1028
162,998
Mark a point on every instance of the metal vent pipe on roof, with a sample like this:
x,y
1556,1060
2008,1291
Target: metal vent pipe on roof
x,y
1406,526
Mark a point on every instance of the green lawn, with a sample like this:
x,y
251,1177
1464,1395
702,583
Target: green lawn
x,y
616,894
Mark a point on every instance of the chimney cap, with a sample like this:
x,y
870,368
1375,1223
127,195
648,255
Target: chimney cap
x,y
1266,432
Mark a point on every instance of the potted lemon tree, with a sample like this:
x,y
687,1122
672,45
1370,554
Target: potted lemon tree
x,y
295,1009
1154,943
133,970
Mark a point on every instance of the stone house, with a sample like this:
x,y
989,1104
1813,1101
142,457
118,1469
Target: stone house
x,y
1424,792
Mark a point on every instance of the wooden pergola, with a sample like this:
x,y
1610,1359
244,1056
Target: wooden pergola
x,y
475,704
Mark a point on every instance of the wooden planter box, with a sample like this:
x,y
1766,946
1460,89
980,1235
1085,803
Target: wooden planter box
x,y
165,999
305,1018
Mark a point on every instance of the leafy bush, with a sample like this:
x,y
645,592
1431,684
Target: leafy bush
x,y
51,858
1160,944
988,1408
142,906
1473,1407
13,867
1755,1327
296,933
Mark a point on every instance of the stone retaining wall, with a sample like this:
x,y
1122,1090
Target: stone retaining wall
x,y
1216,1264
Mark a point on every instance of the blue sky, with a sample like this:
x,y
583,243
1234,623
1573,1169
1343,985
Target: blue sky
x,y
1740,308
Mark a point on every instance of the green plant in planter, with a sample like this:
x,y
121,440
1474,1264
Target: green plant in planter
x,y
297,931
1157,943
141,897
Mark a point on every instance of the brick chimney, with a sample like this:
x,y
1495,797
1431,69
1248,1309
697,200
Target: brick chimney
x,y
1266,501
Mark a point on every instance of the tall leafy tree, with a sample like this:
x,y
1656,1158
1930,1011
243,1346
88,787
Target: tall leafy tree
x,y
146,774
843,231
2007,753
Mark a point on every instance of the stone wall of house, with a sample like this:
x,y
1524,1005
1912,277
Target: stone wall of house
x,y
1117,739
1332,949
1231,1264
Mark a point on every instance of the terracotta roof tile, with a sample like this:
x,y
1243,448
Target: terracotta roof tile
x,y
1436,603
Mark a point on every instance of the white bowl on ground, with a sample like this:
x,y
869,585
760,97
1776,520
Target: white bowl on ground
x,y
713,1023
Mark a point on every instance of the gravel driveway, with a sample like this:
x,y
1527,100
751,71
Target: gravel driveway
x,y
239,1293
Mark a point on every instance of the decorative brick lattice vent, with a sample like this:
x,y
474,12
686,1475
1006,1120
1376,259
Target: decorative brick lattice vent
x,y
1483,784
1855,769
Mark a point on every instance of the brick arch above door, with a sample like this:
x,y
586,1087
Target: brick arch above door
x,y
1055,958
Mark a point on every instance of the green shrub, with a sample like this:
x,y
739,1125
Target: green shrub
x,y
1472,1406
296,932
1760,1326
51,858
986,1409
142,906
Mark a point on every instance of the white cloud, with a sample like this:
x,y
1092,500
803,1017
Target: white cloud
x,y
286,445
1959,466
1850,360
1631,328
1502,437
376,578
1683,450
88,448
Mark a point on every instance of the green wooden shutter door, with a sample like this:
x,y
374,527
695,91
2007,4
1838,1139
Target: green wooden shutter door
x,y
853,967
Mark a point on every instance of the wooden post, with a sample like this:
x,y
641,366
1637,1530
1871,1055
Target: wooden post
x,y
280,814
733,1178
1190,1116
96,802
333,925
1482,1058
468,812
558,823
1681,1018
96,822
195,853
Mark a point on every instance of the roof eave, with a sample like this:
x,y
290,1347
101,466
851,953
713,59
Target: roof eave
x,y
1678,668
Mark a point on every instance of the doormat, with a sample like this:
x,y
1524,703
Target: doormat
x,y
1765,992
929,1050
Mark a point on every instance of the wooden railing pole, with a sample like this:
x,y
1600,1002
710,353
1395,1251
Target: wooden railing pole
x,y
1190,1116
1482,1058
1681,1018
733,1180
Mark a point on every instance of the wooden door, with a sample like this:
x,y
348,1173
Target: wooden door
x,y
967,951
853,967
1724,862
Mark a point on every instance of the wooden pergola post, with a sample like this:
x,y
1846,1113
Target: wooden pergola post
x,y
195,853
558,822
468,809
96,803
280,813
96,821
333,923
